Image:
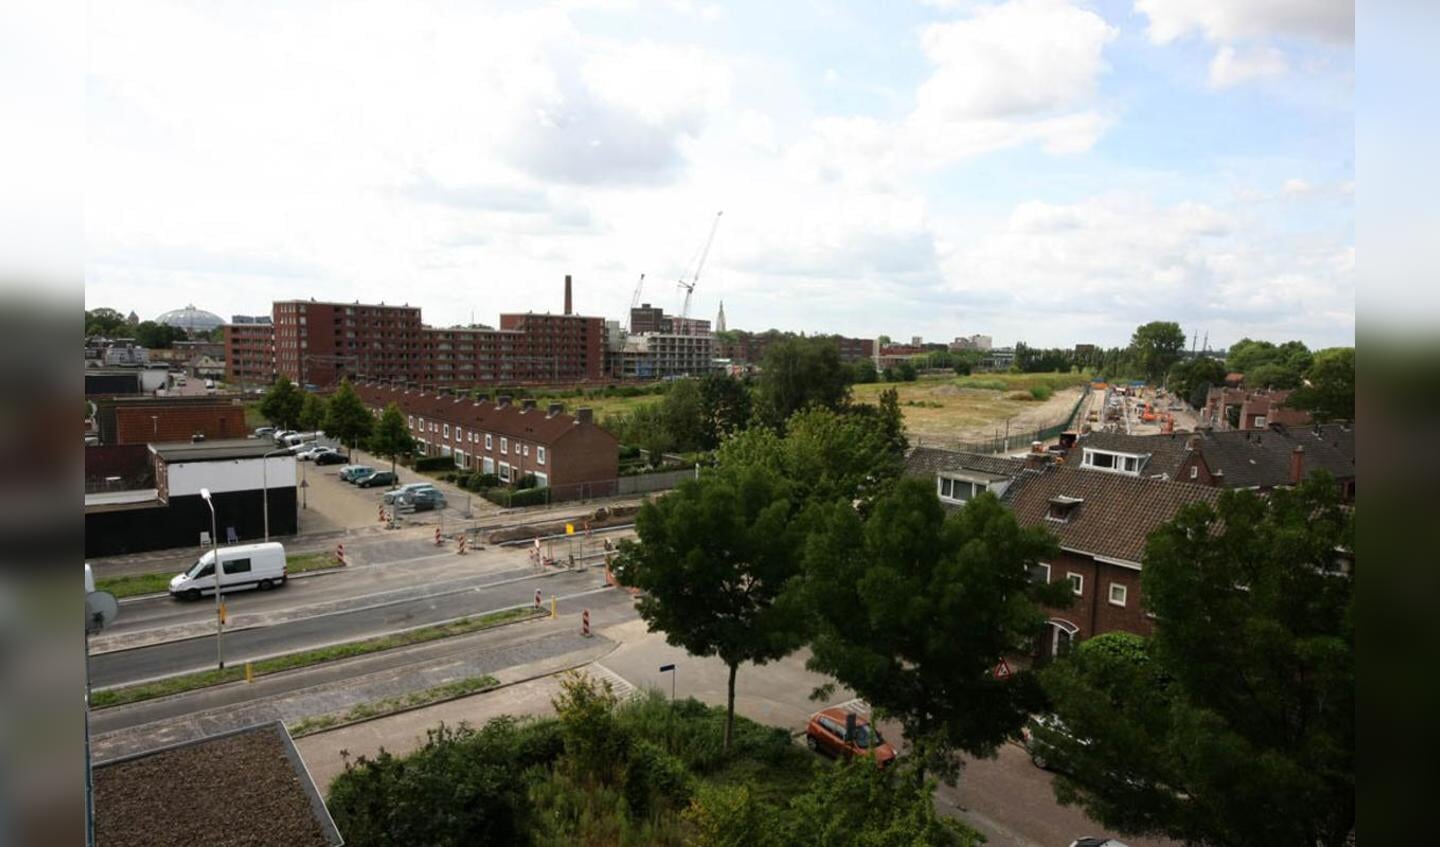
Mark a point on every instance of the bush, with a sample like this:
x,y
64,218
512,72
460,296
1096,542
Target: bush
x,y
1041,392
434,463
515,499
526,481
481,481
654,778
629,451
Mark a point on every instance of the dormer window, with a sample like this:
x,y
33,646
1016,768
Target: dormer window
x,y
1062,508
1105,460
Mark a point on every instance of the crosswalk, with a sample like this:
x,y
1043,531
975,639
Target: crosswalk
x,y
623,688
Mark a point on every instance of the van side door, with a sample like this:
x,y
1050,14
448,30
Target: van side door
x,y
237,571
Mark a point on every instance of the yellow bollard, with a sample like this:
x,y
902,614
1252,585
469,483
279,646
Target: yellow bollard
x,y
553,612
249,673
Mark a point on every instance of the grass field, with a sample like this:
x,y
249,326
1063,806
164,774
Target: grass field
x,y
974,406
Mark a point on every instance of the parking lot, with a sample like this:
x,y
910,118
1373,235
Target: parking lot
x,y
329,503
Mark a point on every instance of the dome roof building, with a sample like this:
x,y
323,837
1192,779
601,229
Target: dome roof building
x,y
191,319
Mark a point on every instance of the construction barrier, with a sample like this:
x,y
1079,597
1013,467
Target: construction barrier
x,y
585,623
439,542
382,513
537,599
460,546
340,553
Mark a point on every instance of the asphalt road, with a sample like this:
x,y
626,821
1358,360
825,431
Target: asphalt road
x,y
382,614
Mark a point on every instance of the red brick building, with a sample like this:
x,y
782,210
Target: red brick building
x,y
322,343
143,420
570,454
249,353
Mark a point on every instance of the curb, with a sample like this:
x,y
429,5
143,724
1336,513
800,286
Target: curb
x,y
614,646
177,695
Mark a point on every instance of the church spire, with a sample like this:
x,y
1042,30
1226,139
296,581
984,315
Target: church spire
x,y
720,318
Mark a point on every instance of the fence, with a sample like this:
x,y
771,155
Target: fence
x,y
1006,441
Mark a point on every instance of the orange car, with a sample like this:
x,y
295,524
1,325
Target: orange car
x,y
829,733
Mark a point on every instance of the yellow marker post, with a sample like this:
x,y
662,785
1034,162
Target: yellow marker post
x,y
554,613
222,613
569,529
249,673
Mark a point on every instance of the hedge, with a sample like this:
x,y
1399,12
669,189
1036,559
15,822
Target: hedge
x,y
435,463
514,499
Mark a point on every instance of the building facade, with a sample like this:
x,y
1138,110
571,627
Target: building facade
x,y
249,353
320,343
144,419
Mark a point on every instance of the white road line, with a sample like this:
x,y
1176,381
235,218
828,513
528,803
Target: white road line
x,y
624,689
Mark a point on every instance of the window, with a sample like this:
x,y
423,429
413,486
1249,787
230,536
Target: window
x,y
447,430
460,458
542,480
1040,572
540,455
1194,471
958,490
1062,508
236,566
488,444
505,471
1130,464
410,421
1077,583
1118,593
504,444
1259,421
487,465
527,449
1099,460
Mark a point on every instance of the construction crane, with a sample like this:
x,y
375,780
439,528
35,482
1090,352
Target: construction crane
x,y
695,278
634,302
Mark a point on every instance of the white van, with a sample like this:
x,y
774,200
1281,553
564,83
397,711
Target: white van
x,y
244,566
295,439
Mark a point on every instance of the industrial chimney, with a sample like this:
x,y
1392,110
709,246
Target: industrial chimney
x,y
567,294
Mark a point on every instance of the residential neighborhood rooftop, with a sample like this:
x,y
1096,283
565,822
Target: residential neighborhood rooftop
x,y
209,451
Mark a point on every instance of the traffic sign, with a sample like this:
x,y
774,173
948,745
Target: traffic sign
x,y
1002,670
664,668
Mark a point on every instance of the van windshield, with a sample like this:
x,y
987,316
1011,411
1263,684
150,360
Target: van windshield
x,y
199,569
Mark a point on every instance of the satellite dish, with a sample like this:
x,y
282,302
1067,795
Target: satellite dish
x,y
101,607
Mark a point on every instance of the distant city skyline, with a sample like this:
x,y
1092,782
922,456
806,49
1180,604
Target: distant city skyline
x,y
1034,170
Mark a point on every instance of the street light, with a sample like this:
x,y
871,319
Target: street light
x,y
215,571
265,484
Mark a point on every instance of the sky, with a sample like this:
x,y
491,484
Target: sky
x,y
1034,170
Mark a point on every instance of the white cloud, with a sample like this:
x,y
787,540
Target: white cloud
x,y
1231,67
1295,186
1231,20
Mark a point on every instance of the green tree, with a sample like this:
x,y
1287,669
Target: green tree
x,y
595,746
1272,375
854,804
1235,725
1329,390
906,372
1156,346
713,560
683,412
157,336
312,413
863,371
104,321
726,408
798,372
1193,379
728,816
346,417
391,438
914,609
282,403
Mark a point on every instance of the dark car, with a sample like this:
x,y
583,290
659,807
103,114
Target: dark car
x,y
829,732
424,500
378,478
1040,735
331,458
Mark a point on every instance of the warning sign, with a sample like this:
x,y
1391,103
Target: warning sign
x,y
1002,670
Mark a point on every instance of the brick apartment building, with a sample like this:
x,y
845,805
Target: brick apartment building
x,y
320,343
570,454
249,352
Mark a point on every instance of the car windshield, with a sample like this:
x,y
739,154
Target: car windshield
x,y
199,569
865,738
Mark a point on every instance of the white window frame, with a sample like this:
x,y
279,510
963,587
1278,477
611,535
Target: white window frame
x,y
504,471
542,480
504,446
422,425
489,443
1077,583
447,431
487,465
1259,421
460,459
459,433
539,455
526,448
1046,566
1194,471
1124,593
410,421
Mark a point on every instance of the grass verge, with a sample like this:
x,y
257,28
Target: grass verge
x,y
306,658
390,705
155,583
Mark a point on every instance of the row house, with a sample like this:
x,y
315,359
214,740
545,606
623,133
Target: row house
x,y
570,454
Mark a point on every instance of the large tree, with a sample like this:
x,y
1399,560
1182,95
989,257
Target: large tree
x,y
913,610
104,321
725,408
1329,390
1156,346
312,413
282,403
684,414
714,560
1235,724
1193,379
391,438
346,417
799,372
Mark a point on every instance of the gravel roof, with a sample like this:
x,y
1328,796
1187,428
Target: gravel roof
x,y
247,787
925,461
1115,513
215,449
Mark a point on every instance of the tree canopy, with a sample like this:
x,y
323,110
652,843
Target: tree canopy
x,y
913,609
714,560
282,403
1329,392
1156,346
799,372
391,438
346,417
312,413
1193,379
1235,723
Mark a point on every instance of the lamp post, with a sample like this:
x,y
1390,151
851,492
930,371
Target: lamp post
x,y
265,485
215,570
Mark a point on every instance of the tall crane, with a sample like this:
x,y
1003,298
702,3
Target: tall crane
x,y
695,278
634,301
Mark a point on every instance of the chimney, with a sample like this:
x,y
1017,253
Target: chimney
x,y
527,404
555,409
503,401
584,415
567,294
481,397
1297,465
1038,458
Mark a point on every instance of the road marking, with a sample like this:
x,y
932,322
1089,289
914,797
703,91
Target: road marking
x,y
623,688
858,706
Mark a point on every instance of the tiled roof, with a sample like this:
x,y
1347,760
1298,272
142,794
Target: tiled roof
x,y
512,420
926,461
1115,515
1167,452
1261,459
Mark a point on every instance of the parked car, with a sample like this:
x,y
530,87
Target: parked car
x,y
377,479
393,495
361,475
1092,841
264,431
242,566
349,472
1041,751
423,500
827,732
280,435
331,457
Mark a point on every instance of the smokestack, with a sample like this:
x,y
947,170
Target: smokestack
x,y
567,294
1297,465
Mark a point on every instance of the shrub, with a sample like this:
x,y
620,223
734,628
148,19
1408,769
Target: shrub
x,y
526,481
517,498
1041,392
434,463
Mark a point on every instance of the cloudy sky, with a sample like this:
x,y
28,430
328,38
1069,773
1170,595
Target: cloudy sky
x,y
1038,170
